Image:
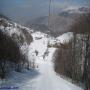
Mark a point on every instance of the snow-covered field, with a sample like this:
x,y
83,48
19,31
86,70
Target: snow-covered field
x,y
43,77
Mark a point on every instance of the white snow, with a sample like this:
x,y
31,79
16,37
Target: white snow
x,y
65,37
74,9
43,77
39,45
15,31
47,78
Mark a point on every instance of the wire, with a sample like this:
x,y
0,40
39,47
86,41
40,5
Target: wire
x,y
49,14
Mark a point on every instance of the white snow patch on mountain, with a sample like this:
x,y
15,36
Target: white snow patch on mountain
x,y
65,37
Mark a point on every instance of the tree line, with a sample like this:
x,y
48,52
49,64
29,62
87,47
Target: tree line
x,y
72,59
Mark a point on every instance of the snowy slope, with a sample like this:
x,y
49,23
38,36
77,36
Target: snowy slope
x,y
43,77
18,33
64,38
38,45
47,78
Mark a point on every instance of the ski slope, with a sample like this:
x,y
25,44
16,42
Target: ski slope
x,y
47,78
43,77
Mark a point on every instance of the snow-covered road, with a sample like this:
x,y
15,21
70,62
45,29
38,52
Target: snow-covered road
x,y
47,78
43,77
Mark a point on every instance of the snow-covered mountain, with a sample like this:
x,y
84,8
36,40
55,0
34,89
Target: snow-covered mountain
x,y
77,10
26,36
44,76
18,33
60,22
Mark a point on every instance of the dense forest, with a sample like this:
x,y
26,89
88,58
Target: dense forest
x,y
72,59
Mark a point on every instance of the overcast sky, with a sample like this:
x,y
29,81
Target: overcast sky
x,y
20,10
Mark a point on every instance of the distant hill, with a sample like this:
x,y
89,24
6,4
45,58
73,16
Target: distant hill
x,y
59,23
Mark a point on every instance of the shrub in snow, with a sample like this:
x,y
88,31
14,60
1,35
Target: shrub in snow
x,y
9,52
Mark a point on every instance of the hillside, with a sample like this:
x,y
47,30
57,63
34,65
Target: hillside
x,y
59,22
18,33
33,44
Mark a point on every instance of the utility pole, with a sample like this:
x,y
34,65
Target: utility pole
x,y
49,14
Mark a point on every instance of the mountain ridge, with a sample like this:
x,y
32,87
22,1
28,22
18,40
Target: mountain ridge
x,y
59,23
